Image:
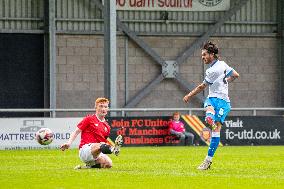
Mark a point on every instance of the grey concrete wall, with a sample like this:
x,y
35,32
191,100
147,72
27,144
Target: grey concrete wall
x,y
80,70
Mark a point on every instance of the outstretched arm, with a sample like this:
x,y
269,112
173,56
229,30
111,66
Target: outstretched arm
x,y
232,77
194,92
71,139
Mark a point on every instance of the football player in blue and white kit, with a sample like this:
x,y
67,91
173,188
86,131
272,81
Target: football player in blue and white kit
x,y
217,104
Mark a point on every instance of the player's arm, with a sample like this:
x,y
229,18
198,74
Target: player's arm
x,y
71,139
233,76
195,91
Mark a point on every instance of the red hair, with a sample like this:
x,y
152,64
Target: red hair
x,y
102,100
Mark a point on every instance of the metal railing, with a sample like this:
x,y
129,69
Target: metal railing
x,y
123,111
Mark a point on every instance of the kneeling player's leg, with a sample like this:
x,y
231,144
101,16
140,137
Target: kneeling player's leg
x,y
104,161
97,148
92,155
90,152
88,155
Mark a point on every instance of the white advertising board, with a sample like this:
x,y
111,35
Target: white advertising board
x,y
19,133
173,5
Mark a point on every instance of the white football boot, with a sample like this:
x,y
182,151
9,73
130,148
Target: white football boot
x,y
205,165
117,144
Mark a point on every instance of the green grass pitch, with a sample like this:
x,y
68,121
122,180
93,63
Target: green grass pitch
x,y
147,167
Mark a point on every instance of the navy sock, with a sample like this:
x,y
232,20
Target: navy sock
x,y
96,166
106,149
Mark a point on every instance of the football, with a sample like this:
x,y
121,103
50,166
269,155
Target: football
x,y
44,136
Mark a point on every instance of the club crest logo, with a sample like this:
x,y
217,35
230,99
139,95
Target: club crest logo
x,y
210,3
205,134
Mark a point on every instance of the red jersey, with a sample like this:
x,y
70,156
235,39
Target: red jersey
x,y
177,126
93,130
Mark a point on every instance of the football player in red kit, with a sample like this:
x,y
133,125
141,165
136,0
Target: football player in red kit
x,y
94,133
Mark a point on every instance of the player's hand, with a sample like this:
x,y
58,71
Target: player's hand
x,y
186,98
64,146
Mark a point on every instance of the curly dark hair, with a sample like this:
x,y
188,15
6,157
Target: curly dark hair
x,y
211,48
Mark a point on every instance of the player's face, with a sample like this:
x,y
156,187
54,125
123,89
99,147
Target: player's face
x,y
102,109
206,57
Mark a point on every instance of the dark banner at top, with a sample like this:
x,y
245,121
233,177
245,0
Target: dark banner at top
x,y
173,5
241,130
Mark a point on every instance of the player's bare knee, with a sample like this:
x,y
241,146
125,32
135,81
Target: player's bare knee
x,y
108,161
108,165
105,162
95,149
210,108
